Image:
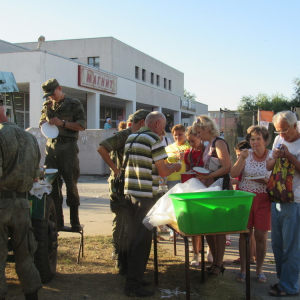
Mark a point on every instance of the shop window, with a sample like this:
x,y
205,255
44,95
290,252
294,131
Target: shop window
x,y
136,72
94,61
143,74
165,83
157,80
152,78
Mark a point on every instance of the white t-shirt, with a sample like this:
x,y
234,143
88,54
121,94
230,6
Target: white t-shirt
x,y
294,148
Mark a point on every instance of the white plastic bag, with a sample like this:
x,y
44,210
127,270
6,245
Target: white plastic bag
x,y
163,213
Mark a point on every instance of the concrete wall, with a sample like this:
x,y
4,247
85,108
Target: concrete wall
x,y
90,160
115,57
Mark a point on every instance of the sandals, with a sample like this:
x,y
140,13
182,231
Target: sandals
x,y
261,278
241,277
210,274
276,292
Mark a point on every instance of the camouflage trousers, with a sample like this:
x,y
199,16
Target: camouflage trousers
x,y
64,157
15,222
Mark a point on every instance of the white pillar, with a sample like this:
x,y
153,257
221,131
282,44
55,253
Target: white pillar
x,y
130,108
36,103
93,111
157,108
192,119
177,117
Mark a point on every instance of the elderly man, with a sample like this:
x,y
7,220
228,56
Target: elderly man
x,y
145,165
19,167
112,151
286,216
62,152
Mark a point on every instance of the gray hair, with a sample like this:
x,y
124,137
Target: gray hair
x,y
287,115
153,117
206,122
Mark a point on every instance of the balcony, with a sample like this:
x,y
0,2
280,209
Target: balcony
x,y
187,104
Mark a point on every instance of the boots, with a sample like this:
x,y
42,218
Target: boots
x,y
32,296
74,218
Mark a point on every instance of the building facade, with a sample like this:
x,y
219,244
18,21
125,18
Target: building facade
x,y
108,76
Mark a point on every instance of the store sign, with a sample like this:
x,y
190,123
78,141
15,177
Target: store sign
x,y
97,80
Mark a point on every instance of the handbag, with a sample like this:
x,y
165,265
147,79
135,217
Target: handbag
x,y
214,164
119,180
280,184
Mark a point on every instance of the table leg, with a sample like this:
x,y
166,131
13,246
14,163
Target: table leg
x,y
202,259
247,266
187,270
155,255
174,243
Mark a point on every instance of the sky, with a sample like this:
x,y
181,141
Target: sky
x,y
226,49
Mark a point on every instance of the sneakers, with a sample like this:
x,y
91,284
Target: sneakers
x,y
138,292
195,261
228,242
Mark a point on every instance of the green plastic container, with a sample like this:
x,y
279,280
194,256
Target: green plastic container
x,y
212,212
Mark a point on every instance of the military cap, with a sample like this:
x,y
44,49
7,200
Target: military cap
x,y
129,120
49,87
140,114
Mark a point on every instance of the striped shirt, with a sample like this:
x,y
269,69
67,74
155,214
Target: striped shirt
x,y
141,175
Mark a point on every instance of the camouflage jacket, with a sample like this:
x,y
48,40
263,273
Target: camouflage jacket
x,y
69,109
19,158
115,146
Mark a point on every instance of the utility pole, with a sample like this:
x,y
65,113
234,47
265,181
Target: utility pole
x,y
258,116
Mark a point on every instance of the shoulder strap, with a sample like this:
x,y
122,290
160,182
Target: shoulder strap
x,y
128,150
166,139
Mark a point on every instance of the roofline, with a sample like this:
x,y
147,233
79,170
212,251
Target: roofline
x,y
107,37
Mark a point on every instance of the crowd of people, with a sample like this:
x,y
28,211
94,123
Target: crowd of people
x,y
150,157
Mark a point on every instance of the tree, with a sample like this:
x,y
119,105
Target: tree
x,y
188,95
276,102
296,97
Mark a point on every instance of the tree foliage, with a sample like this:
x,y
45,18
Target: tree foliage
x,y
276,102
189,95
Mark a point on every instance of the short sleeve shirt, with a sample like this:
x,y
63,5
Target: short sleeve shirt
x,y
141,175
68,109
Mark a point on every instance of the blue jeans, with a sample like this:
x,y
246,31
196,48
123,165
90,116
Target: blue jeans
x,y
286,245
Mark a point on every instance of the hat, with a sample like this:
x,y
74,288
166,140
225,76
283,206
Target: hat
x,y
129,120
140,114
49,87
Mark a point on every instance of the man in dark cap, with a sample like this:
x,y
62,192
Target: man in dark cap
x,y
62,152
112,152
19,167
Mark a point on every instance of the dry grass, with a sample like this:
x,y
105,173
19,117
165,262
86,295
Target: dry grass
x,y
96,278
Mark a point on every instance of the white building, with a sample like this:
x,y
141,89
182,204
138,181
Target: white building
x,y
108,76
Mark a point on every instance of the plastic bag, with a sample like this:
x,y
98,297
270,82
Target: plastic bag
x,y
162,213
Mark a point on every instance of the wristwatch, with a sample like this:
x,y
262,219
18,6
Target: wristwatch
x,y
64,123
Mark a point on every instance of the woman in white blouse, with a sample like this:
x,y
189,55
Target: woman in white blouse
x,y
252,165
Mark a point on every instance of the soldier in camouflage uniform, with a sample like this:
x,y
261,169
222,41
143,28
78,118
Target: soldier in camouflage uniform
x,y
62,152
19,167
112,152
